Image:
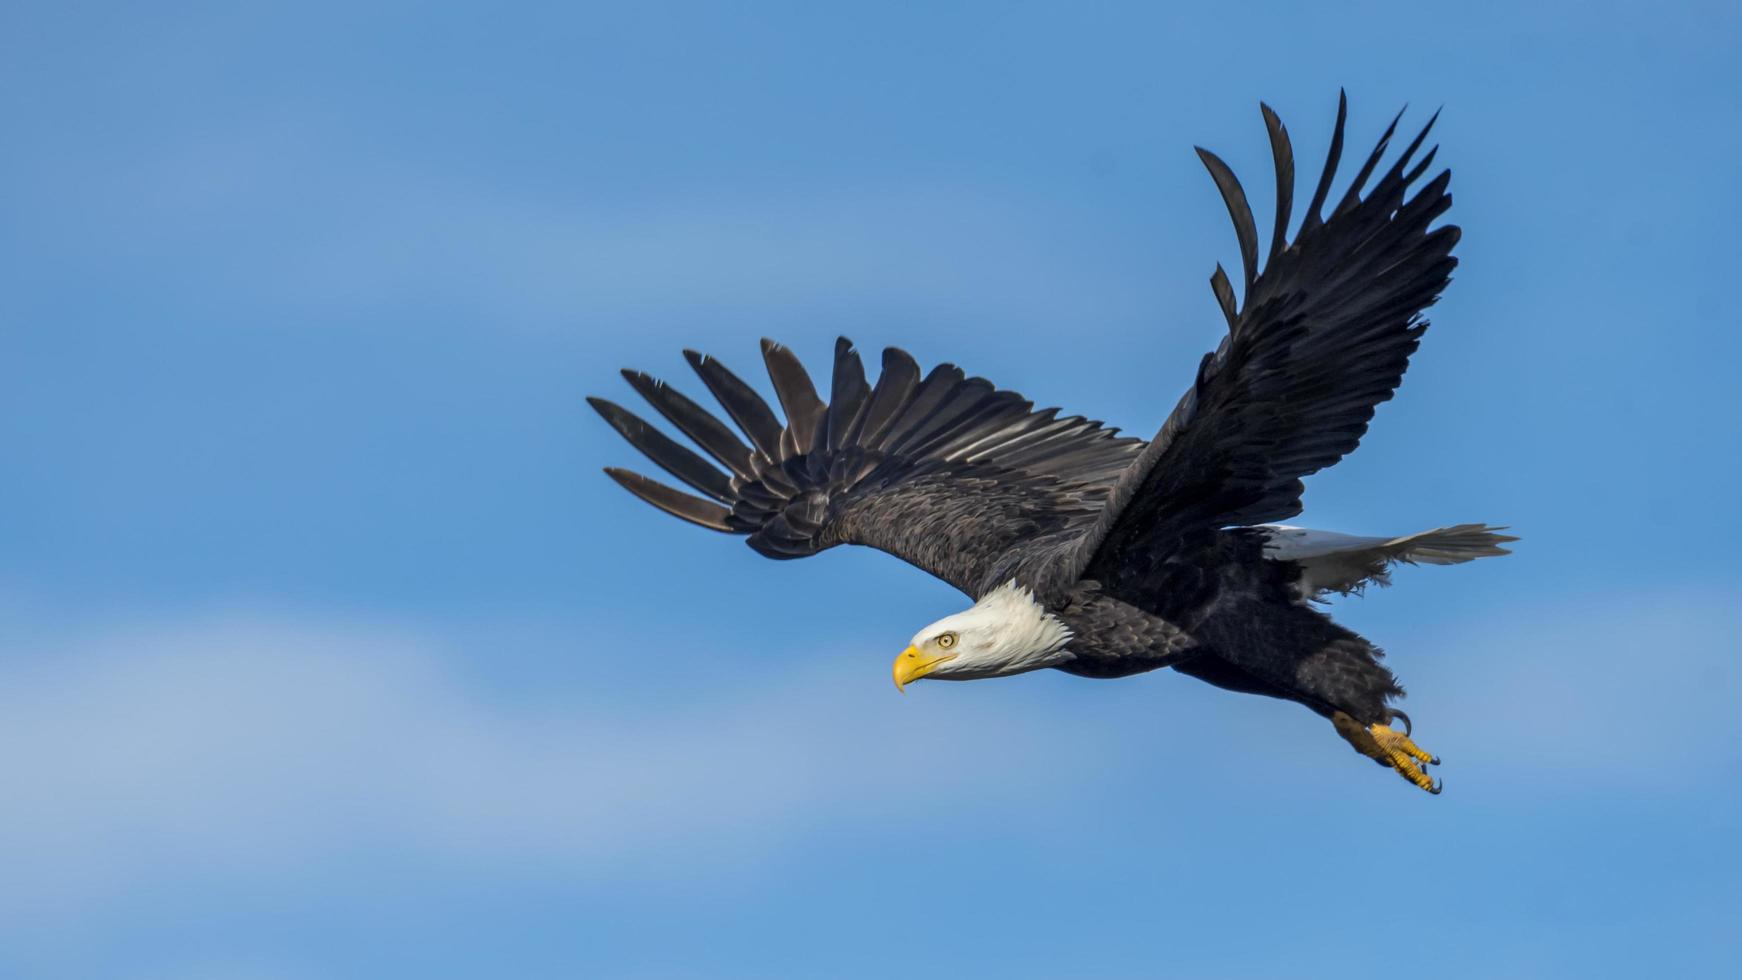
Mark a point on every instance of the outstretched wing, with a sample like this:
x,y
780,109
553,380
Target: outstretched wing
x,y
945,471
1324,336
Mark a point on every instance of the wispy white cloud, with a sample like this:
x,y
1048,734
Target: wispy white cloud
x,y
252,748
249,746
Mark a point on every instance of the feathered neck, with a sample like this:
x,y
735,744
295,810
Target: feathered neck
x,y
1022,632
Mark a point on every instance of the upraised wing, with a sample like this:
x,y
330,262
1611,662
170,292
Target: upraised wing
x,y
1324,336
945,472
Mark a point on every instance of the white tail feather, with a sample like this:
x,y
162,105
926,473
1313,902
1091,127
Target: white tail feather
x,y
1345,563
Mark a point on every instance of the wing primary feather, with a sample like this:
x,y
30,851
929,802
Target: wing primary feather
x,y
1352,196
895,386
676,503
847,394
798,396
927,399
704,429
1234,196
976,407
1421,166
957,406
1414,145
1224,294
1005,440
659,447
740,401
1314,216
1282,153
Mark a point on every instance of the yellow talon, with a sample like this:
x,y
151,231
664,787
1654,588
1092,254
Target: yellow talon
x,y
1390,747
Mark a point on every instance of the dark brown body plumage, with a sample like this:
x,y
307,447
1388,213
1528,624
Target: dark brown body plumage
x,y
1239,628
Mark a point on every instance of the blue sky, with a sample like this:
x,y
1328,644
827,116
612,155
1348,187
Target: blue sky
x,y
327,651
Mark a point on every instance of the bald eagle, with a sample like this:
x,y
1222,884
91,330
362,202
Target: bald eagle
x,y
1102,555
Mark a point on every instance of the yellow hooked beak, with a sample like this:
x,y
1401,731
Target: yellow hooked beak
x,y
913,664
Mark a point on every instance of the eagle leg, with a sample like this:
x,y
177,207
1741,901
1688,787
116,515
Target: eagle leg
x,y
1390,747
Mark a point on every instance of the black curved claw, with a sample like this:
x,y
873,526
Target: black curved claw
x,y
1408,728
1438,785
1434,761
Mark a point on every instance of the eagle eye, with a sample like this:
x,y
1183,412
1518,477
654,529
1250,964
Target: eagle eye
x,y
946,640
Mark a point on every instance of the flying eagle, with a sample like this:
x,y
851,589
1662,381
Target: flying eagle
x,y
1102,555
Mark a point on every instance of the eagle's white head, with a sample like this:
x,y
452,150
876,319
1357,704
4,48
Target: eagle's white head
x,y
1006,632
